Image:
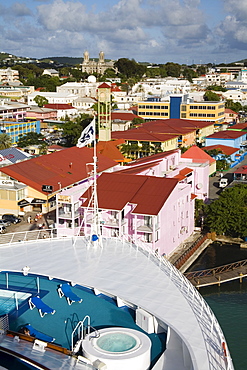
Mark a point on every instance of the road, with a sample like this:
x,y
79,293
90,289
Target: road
x,y
214,190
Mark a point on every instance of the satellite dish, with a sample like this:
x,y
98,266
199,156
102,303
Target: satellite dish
x,y
91,78
199,186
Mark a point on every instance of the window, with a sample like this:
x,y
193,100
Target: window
x,y
183,115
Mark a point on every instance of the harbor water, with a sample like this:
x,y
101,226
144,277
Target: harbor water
x,y
229,301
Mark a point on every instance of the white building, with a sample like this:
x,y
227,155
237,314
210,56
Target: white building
x,y
9,75
86,89
53,97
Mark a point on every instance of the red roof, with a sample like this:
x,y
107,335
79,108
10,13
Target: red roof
x,y
230,111
104,86
180,123
239,126
140,134
148,193
197,155
242,169
227,134
185,171
59,106
227,150
56,147
123,116
59,169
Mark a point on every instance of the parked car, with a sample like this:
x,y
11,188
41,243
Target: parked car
x,y
2,229
223,182
5,223
11,218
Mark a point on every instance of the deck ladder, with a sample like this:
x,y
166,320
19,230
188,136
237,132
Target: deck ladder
x,y
80,333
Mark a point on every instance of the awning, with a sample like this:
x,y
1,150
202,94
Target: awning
x,y
30,201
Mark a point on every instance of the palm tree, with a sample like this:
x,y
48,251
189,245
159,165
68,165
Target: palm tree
x,y
5,141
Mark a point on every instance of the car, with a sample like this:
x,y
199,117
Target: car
x,y
5,223
2,229
11,218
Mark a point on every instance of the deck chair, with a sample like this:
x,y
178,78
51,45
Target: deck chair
x,y
40,305
64,290
38,335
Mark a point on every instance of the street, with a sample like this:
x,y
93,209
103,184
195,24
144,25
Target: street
x,y
214,190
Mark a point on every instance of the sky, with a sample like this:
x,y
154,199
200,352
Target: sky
x,y
154,31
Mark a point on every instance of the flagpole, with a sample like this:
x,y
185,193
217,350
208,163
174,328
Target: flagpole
x,y
95,197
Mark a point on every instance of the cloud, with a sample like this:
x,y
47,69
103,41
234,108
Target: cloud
x,y
233,29
20,10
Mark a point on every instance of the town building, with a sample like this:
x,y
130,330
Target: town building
x,y
231,117
9,75
51,72
16,129
181,107
12,110
24,184
52,97
146,208
197,155
231,138
99,67
121,120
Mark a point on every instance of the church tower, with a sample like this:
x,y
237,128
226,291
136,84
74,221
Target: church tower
x,y
86,57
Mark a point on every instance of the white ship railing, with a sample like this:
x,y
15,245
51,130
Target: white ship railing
x,y
217,349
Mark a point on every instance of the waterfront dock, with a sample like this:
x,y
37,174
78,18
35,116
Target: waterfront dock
x,y
218,275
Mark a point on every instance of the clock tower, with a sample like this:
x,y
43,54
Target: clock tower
x,y
104,112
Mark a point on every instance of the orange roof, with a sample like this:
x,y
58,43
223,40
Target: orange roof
x,y
185,171
110,150
59,169
147,193
197,155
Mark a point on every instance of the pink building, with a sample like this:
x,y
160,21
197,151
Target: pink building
x,y
155,210
194,169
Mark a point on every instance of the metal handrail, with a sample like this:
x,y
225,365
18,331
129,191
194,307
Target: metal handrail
x,y
216,270
205,316
79,327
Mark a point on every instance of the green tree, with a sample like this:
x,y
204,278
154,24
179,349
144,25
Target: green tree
x,y
211,96
236,107
31,138
72,128
228,214
5,141
216,88
130,68
137,121
40,100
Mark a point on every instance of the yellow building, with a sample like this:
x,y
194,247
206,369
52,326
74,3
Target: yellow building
x,y
178,107
205,111
154,110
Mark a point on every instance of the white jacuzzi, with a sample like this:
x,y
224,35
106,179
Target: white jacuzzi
x,y
119,348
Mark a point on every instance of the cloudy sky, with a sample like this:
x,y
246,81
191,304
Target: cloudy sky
x,y
158,31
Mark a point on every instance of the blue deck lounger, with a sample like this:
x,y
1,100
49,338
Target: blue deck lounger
x,y
65,291
38,335
40,305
